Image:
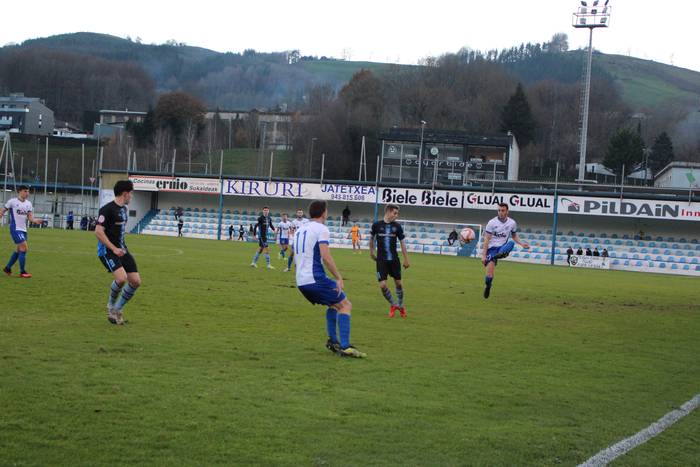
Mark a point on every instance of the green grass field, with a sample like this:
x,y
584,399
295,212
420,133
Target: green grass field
x,y
224,364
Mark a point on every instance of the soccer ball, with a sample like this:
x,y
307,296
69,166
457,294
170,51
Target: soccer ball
x,y
466,235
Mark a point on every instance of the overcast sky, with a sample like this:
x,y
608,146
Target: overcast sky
x,y
378,30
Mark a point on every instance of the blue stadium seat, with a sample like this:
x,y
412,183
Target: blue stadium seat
x,y
674,266
686,268
661,265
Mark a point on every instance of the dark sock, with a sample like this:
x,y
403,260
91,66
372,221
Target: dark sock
x,y
13,259
387,294
344,326
331,324
488,281
22,261
289,261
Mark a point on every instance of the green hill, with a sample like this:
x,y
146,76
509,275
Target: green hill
x,y
267,79
648,85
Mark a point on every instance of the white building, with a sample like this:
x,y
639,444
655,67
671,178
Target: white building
x,y
679,175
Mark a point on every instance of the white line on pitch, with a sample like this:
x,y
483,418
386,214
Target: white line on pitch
x,y
623,447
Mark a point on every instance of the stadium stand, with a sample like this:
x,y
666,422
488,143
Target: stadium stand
x,y
660,254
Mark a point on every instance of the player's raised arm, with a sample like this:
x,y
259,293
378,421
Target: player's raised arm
x,y
516,239
30,217
325,251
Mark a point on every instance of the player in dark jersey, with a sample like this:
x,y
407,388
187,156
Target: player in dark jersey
x,y
112,251
386,233
264,223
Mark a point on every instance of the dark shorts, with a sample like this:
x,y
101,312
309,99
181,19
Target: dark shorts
x,y
388,268
113,262
284,241
18,236
322,292
262,243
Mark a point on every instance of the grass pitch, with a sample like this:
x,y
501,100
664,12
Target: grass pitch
x,y
224,364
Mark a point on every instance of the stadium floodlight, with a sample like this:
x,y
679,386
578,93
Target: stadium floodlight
x,y
420,149
591,19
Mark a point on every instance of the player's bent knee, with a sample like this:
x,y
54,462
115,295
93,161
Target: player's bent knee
x,y
344,307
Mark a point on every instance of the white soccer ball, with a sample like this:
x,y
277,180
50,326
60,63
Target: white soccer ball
x,y
466,235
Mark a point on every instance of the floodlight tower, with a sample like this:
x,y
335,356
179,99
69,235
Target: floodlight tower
x,y
595,16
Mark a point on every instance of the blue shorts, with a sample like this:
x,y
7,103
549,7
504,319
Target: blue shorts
x,y
18,236
323,292
284,241
504,249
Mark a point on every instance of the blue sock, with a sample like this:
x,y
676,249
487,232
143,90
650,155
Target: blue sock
x,y
267,258
488,281
282,253
114,290
289,262
255,258
344,326
127,293
13,259
22,260
331,323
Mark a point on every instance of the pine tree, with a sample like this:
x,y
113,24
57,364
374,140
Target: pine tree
x,y
661,152
626,149
517,118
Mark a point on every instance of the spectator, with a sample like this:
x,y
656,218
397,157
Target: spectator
x,y
241,233
452,237
178,213
230,232
588,251
605,253
579,252
180,224
251,231
596,252
69,221
84,223
346,215
569,253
